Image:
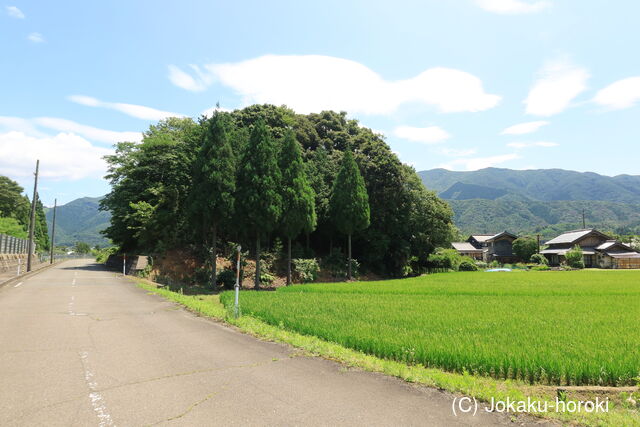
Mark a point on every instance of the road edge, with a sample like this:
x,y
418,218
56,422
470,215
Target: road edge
x,y
31,273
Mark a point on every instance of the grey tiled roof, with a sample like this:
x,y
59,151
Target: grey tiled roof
x,y
569,236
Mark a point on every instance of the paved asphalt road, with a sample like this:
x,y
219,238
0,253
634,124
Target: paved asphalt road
x,y
80,346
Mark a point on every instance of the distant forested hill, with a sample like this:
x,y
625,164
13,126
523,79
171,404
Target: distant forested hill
x,y
80,221
546,201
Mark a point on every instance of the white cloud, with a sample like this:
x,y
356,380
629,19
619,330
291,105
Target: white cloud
x,y
35,38
428,135
311,83
559,82
133,110
64,156
31,127
513,7
621,94
96,134
186,81
454,152
532,144
14,12
479,162
523,128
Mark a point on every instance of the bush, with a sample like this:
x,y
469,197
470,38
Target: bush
x,y
494,264
539,259
540,268
481,265
306,270
574,257
226,279
336,264
103,254
467,265
266,278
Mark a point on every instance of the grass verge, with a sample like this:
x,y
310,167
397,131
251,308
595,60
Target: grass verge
x,y
622,409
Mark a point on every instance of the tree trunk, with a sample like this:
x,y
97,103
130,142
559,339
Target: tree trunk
x,y
349,266
214,267
289,261
308,242
257,279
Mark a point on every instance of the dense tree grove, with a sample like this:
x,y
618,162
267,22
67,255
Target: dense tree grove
x,y
15,209
165,190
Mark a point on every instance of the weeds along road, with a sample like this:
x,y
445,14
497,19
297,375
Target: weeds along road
x,y
81,346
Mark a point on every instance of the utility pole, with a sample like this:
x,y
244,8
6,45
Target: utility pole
x,y
584,224
53,230
538,243
32,220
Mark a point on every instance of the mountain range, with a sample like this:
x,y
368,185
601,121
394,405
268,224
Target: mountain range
x,y
544,201
79,221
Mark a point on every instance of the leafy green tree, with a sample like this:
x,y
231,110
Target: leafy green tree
x,y
574,257
149,186
82,248
11,227
298,198
349,202
539,259
524,248
214,177
12,203
41,233
258,199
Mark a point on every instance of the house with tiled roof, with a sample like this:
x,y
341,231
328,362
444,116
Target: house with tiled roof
x,y
598,250
488,247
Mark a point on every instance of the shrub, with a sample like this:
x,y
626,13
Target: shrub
x,y
467,265
336,264
539,259
494,264
266,278
226,279
306,270
103,254
540,268
574,257
481,265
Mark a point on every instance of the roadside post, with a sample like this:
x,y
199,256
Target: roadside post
x,y
124,264
236,308
19,265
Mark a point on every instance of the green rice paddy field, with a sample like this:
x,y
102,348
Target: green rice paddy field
x,y
567,328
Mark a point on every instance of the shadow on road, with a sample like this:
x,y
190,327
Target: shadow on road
x,y
87,267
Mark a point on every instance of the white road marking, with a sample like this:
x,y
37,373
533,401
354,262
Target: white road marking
x,y
97,401
18,285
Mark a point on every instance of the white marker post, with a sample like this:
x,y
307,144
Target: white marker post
x,y
19,265
124,264
236,310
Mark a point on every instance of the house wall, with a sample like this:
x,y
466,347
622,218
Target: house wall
x,y
591,241
502,247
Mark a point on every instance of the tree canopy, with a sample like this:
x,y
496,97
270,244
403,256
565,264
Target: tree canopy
x,y
15,210
152,181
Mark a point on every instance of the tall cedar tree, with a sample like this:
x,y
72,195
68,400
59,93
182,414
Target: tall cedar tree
x,y
349,203
258,198
214,187
298,198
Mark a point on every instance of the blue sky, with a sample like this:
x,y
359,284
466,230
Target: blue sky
x,y
461,84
